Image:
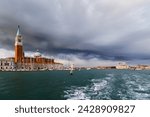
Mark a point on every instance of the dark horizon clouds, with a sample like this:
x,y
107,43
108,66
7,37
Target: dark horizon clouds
x,y
112,30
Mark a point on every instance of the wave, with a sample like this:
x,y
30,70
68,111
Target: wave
x,y
126,86
94,90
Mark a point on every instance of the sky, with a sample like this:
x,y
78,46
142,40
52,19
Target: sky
x,y
85,32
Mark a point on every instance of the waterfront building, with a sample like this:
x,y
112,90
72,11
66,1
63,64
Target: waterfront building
x,y
122,65
7,64
20,62
142,67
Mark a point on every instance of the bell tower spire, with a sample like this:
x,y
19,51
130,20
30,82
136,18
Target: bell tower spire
x,y
19,54
18,31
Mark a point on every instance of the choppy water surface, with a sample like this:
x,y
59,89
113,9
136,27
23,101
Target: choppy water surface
x,y
84,85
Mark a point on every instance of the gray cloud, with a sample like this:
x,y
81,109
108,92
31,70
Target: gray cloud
x,y
103,29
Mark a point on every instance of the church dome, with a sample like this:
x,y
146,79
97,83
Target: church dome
x,y
37,54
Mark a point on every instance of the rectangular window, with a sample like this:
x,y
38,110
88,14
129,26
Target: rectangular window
x,y
6,64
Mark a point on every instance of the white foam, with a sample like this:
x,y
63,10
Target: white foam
x,y
76,93
137,88
93,90
98,86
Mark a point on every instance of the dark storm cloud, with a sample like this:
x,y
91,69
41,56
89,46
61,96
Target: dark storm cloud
x,y
103,29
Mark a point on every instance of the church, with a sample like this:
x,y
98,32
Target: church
x,y
20,62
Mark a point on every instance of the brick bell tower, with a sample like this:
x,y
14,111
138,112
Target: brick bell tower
x,y
19,54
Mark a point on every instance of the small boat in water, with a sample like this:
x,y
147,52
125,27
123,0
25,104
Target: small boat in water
x,y
71,72
71,69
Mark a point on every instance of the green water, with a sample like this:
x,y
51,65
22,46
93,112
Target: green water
x,y
84,84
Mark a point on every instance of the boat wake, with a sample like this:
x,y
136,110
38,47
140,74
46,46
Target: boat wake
x,y
111,87
95,90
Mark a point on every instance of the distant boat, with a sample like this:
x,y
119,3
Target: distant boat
x,y
71,69
71,72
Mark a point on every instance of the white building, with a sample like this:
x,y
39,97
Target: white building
x,y
122,65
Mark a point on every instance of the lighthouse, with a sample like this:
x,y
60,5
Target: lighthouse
x,y
19,54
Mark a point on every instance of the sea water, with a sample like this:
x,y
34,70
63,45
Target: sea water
x,y
82,85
